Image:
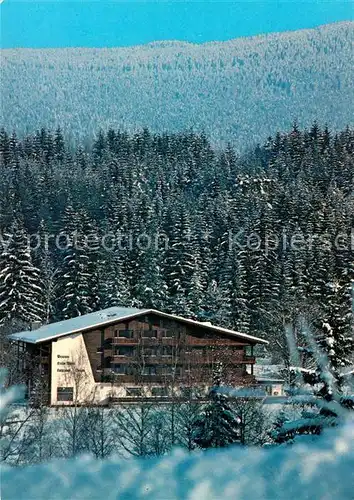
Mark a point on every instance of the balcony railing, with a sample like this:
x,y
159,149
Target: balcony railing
x,y
121,358
171,341
124,340
193,357
149,360
140,379
145,341
210,342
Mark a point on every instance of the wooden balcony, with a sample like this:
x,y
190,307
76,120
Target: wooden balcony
x,y
161,360
120,358
124,341
195,357
171,341
148,360
190,341
192,358
246,380
136,341
151,341
139,379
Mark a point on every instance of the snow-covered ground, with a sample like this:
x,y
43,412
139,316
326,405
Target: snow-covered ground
x,y
319,469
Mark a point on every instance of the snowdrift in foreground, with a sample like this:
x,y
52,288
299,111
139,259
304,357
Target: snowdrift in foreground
x,y
320,469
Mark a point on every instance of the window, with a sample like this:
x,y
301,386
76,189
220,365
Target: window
x,y
133,391
119,369
166,351
167,370
149,351
125,351
128,334
159,391
191,392
170,333
248,350
268,389
149,370
65,394
149,334
199,350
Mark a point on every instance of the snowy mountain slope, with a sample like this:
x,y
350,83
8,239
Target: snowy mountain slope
x,y
240,91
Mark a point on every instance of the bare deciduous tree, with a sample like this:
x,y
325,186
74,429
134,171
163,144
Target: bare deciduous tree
x,y
100,431
74,414
253,422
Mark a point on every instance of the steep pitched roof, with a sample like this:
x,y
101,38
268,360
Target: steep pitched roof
x,y
109,316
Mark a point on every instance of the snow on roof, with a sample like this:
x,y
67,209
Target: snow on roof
x,y
267,371
75,325
270,380
208,326
110,316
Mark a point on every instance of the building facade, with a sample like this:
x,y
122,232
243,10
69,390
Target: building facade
x,y
124,354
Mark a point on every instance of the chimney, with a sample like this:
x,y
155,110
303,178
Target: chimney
x,y
34,325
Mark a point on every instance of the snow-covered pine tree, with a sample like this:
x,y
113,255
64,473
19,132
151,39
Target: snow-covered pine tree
x,y
21,294
324,404
74,277
151,290
5,152
216,305
234,281
218,425
178,264
93,250
44,259
336,330
59,145
115,290
196,291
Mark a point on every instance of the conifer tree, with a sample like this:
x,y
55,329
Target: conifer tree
x,y
21,296
115,290
217,426
151,290
336,332
74,278
324,405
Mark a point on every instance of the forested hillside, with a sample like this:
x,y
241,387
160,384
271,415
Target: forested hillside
x,y
166,221
240,91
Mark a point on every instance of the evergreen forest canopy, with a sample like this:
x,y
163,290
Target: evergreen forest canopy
x,y
240,91
220,214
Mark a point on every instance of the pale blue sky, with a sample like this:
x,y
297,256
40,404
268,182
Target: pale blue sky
x,y
64,23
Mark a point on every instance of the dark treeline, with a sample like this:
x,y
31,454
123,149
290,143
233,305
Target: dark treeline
x,y
213,218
